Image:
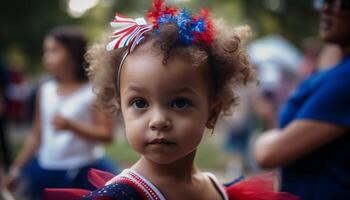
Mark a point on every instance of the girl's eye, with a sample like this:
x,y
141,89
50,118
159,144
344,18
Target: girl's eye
x,y
180,103
139,103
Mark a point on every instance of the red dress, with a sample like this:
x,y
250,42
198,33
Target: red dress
x,y
131,185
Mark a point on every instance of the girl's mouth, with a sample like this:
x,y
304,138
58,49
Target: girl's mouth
x,y
160,141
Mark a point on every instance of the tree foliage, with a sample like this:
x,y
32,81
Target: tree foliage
x,y
24,24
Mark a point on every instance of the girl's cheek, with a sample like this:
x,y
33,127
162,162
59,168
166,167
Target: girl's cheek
x,y
135,136
125,110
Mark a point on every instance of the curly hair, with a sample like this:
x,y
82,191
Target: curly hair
x,y
226,58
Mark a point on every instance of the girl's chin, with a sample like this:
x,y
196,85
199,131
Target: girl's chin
x,y
166,160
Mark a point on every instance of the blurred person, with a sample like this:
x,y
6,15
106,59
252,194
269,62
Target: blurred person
x,y
264,107
67,130
17,93
238,128
330,55
4,143
309,62
312,144
276,81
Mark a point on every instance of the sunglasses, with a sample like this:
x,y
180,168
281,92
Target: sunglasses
x,y
334,5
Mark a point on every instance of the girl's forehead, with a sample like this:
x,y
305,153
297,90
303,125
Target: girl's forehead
x,y
149,54
151,64
152,47
147,70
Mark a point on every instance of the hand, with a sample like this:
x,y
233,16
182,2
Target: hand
x,y
9,182
11,179
60,123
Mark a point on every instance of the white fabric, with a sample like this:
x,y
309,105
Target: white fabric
x,y
65,149
217,183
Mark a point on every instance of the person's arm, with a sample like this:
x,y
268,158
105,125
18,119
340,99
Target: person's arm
x,y
101,130
276,147
29,149
323,117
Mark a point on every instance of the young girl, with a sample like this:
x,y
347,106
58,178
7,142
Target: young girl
x,y
170,81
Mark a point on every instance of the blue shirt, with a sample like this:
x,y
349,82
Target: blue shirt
x,y
324,173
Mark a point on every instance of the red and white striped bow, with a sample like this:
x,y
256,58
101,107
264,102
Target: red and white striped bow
x,y
128,32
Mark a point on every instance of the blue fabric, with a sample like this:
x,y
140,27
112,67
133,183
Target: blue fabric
x,y
115,191
38,178
324,173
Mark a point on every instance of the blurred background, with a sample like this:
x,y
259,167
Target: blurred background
x,y
284,49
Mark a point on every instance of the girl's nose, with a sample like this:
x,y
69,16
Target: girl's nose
x,y
160,123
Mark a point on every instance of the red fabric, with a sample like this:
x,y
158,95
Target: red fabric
x,y
66,194
99,178
257,188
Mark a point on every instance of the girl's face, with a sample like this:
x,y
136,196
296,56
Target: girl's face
x,y
165,108
56,58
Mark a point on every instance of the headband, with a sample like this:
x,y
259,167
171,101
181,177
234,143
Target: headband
x,y
130,32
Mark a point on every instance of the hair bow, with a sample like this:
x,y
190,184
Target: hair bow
x,y
128,32
191,29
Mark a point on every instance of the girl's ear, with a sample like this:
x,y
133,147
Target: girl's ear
x,y
214,113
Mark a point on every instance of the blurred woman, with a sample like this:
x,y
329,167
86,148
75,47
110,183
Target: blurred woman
x,y
68,129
